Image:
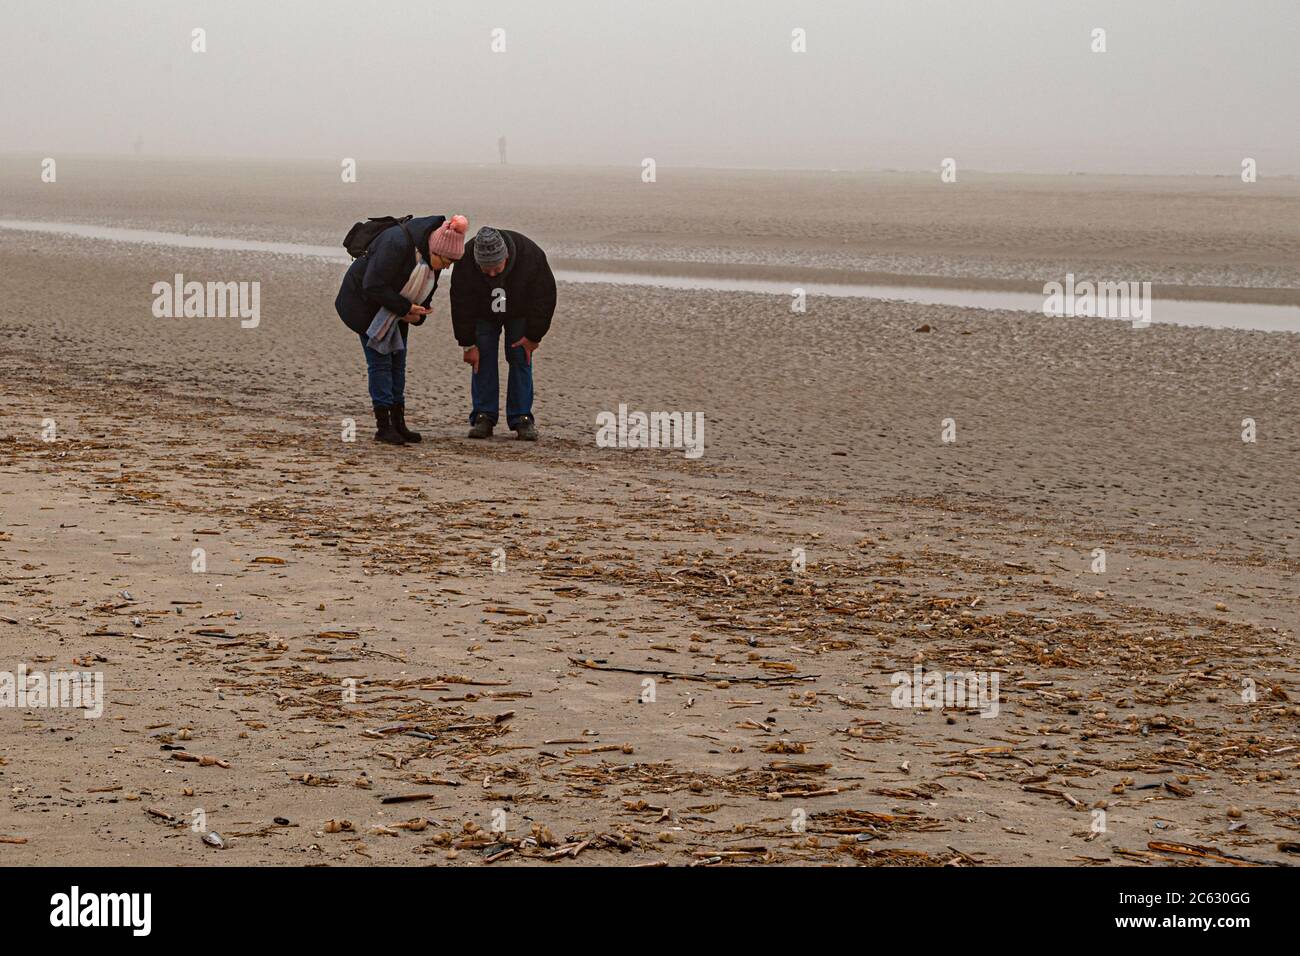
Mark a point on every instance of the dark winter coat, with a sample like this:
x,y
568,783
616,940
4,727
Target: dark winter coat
x,y
528,283
376,279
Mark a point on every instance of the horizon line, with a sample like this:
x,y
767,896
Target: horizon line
x,y
243,158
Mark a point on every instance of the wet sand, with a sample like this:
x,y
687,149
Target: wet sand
x,y
1120,691
1206,232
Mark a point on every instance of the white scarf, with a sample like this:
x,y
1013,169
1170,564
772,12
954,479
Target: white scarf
x,y
384,335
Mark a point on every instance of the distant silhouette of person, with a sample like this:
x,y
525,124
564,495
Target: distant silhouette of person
x,y
501,148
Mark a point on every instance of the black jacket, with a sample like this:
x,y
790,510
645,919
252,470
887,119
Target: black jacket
x,y
528,283
376,279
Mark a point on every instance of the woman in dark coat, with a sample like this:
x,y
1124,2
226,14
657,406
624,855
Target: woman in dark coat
x,y
375,281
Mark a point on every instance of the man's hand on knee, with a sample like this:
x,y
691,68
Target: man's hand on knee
x,y
529,347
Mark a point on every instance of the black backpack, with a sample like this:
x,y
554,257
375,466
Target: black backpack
x,y
362,234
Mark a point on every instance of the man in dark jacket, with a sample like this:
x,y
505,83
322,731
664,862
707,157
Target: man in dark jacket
x,y
374,281
504,283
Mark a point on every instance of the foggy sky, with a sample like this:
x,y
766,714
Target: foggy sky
x,y
1185,86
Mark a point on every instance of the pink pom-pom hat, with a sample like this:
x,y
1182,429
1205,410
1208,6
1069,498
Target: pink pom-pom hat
x,y
448,240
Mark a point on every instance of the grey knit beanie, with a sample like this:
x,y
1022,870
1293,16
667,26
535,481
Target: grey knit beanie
x,y
489,247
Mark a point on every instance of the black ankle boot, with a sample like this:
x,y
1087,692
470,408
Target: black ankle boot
x,y
384,430
399,423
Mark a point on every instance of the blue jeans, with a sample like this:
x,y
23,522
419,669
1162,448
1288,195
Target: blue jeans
x,y
387,374
485,384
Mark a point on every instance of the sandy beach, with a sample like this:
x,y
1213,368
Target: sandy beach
x,y
466,653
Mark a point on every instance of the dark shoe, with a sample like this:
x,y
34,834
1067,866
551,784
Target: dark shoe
x,y
526,429
384,430
399,423
482,427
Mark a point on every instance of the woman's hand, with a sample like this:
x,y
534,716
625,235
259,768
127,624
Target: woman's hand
x,y
416,314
